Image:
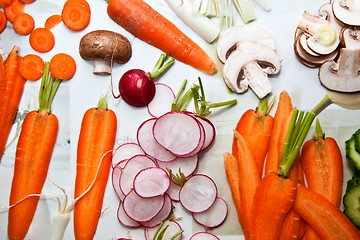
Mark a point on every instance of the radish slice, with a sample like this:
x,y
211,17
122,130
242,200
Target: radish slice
x,y
162,215
148,143
214,216
151,182
142,209
161,103
131,169
178,132
186,165
209,131
200,145
173,228
115,177
124,218
198,193
126,151
204,236
173,191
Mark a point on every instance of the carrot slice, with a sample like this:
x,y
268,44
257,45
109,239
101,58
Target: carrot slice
x,y
76,14
27,1
31,67
5,3
3,21
52,21
62,66
23,24
42,40
15,8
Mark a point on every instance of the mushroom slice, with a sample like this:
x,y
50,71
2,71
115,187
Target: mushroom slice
x,y
233,37
249,66
347,11
343,75
105,47
350,38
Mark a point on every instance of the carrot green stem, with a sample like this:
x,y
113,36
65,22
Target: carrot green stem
x,y
102,103
161,65
264,105
178,95
319,133
48,88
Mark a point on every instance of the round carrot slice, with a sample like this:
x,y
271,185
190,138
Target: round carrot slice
x,y
23,24
62,66
27,1
15,8
31,67
52,21
3,21
5,3
42,40
76,15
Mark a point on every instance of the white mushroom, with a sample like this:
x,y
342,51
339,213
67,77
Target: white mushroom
x,y
350,38
249,66
347,11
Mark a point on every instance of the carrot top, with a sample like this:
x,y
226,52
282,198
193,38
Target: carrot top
x,y
48,88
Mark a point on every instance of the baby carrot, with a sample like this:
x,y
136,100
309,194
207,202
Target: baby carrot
x,y
15,8
42,40
96,139
62,66
52,21
3,21
31,67
156,30
76,14
23,24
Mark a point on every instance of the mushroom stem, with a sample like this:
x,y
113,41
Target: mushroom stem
x,y
102,66
258,79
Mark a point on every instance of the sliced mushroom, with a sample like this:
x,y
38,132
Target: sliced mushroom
x,y
347,11
350,38
249,66
232,37
343,75
105,47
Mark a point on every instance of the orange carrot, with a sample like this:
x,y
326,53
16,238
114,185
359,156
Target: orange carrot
x,y
11,89
52,21
27,1
15,8
96,139
156,30
76,14
42,40
281,116
31,67
33,153
5,3
273,200
3,21
255,126
328,221
23,24
62,66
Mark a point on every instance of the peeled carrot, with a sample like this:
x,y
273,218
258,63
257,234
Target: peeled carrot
x,y
62,66
23,24
3,21
42,40
156,30
96,139
15,8
11,89
31,67
33,154
256,126
52,21
281,116
76,14
328,221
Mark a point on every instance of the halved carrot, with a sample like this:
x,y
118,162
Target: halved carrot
x,y
23,24
3,21
76,14
156,30
42,40
31,67
328,221
5,3
62,66
33,154
15,8
52,21
96,139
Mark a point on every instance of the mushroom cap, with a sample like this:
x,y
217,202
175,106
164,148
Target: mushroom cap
x,y
347,12
105,45
235,36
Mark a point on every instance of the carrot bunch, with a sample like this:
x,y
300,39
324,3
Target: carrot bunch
x,y
282,206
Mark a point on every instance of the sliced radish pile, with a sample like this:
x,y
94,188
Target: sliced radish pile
x,y
214,216
198,193
151,182
161,103
186,165
203,236
173,228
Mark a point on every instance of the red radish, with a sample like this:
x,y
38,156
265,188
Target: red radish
x,y
125,219
209,131
161,103
126,151
162,215
137,87
142,209
173,228
178,132
198,193
151,182
148,143
186,165
173,191
214,216
204,236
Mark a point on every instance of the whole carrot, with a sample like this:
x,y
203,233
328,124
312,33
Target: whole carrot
x,y
145,23
256,126
96,139
33,153
11,89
